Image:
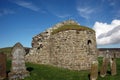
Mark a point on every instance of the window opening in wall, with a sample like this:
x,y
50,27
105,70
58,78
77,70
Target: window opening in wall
x,y
89,42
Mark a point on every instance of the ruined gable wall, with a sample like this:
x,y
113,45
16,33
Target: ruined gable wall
x,y
40,51
72,49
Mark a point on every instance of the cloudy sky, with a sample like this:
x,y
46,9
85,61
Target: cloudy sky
x,y
20,20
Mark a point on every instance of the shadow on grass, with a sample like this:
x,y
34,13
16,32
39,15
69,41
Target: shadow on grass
x,y
30,69
109,72
88,76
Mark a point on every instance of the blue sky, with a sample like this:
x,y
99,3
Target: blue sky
x,y
20,20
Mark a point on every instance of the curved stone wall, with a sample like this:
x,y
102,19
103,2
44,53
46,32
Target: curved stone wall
x,y
71,49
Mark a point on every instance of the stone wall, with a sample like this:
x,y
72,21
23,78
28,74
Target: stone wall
x,y
71,49
40,51
111,51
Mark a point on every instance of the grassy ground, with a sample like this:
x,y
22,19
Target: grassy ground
x,y
46,72
108,76
8,50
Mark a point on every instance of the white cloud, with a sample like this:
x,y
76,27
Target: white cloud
x,y
107,33
85,12
62,15
6,12
28,5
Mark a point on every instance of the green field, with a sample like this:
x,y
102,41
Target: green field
x,y
47,72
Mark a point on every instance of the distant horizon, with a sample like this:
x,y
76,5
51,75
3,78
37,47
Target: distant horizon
x,y
97,47
20,20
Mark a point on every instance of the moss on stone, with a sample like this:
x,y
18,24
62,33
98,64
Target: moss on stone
x,y
71,27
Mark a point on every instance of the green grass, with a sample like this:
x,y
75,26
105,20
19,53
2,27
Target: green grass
x,y
108,76
71,27
6,50
47,72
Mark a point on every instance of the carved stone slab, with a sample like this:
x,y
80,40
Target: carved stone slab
x,y
2,66
18,68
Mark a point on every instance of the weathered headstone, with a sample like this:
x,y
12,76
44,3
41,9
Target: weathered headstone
x,y
103,70
113,65
2,66
94,70
104,67
18,69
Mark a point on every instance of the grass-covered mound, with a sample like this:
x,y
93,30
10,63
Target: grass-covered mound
x,y
71,27
6,50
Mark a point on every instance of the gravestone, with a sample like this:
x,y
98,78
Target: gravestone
x,y
18,69
105,64
104,67
94,70
2,66
113,65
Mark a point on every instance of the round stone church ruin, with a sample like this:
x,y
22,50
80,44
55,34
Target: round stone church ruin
x,y
67,44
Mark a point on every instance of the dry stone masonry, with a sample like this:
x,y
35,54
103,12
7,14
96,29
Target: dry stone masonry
x,y
18,69
67,44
